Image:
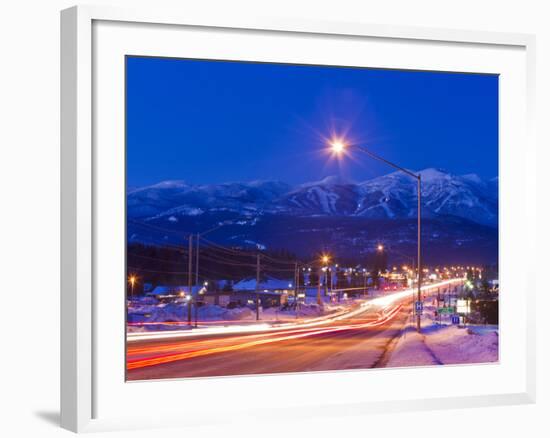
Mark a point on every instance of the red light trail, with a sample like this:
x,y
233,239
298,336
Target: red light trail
x,y
193,349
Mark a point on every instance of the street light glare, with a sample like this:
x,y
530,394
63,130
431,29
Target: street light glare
x,y
337,146
380,248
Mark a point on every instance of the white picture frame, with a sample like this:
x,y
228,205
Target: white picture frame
x,y
80,311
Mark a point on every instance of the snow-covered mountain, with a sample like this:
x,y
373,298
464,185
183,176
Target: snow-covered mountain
x,y
173,198
391,196
443,194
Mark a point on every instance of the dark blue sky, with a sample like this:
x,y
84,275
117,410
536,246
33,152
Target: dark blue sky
x,y
212,122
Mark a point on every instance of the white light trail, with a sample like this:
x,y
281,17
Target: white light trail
x,y
383,301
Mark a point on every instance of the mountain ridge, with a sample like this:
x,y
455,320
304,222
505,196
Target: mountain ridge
x,y
389,196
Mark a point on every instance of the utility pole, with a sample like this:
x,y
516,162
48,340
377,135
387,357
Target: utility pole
x,y
257,287
190,279
197,261
197,280
325,280
319,287
296,285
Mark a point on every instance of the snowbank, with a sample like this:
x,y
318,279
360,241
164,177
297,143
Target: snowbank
x,y
166,316
178,313
438,345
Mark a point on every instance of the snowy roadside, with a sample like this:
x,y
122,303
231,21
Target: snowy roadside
x,y
160,317
443,345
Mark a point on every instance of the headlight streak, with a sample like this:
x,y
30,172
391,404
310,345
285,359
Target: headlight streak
x,y
267,339
382,302
196,343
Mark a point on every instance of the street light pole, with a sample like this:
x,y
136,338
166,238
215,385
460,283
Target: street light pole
x,y
190,279
257,287
338,147
419,255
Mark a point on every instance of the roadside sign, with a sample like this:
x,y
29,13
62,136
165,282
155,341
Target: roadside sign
x,y
418,306
455,319
445,310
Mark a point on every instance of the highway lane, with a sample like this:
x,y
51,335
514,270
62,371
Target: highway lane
x,y
357,338
345,344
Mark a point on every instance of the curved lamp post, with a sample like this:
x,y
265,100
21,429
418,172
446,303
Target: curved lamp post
x,y
339,147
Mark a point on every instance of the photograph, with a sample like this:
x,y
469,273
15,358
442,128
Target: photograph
x,y
291,218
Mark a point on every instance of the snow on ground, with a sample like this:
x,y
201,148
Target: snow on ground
x,y
411,350
444,344
153,317
136,329
174,312
304,311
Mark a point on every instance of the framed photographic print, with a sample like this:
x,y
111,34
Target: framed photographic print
x,y
255,205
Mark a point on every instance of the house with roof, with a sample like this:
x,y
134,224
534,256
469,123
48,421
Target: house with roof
x,y
271,291
167,293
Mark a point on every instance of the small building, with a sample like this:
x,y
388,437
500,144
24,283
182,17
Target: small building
x,y
269,284
172,293
271,291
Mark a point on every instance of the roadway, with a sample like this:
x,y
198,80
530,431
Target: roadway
x,y
356,338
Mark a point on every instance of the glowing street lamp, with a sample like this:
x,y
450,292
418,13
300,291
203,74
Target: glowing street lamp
x,y
338,147
380,248
132,279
